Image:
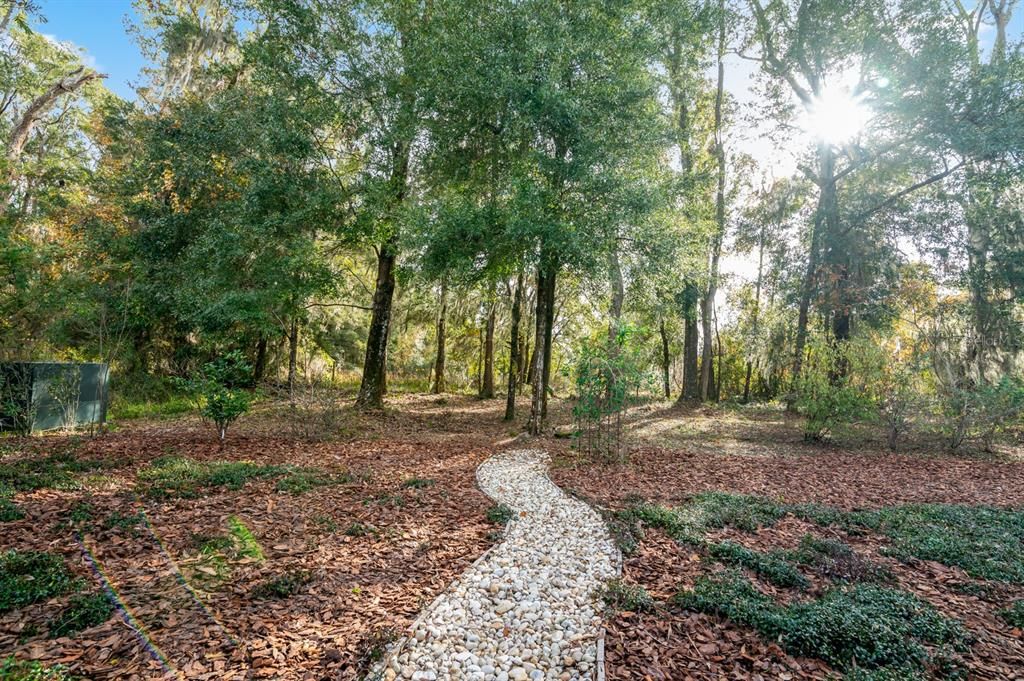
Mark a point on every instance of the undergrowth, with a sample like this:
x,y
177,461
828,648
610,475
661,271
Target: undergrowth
x,y
282,586
621,596
1013,614
177,476
83,611
25,670
28,577
865,626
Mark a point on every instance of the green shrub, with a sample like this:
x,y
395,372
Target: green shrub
x,y
834,386
219,390
28,577
84,611
23,670
864,627
1014,614
869,626
282,586
732,595
499,514
625,528
772,567
744,512
621,596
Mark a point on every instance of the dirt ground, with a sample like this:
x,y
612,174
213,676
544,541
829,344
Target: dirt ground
x,y
364,586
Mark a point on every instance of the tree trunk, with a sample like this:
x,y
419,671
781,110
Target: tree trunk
x,y
691,388
618,296
439,376
293,353
549,327
757,307
666,361
707,383
808,287
260,366
488,388
536,424
515,361
373,386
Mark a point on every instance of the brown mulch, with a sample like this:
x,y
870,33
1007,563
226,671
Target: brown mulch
x,y
673,643
174,622
844,479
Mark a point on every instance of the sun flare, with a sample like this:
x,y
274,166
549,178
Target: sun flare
x,y
836,115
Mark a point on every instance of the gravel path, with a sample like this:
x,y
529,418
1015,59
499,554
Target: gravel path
x,y
528,608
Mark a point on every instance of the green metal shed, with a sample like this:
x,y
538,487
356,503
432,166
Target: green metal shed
x,y
38,396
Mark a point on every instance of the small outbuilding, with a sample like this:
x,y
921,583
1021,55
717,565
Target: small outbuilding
x,y
38,396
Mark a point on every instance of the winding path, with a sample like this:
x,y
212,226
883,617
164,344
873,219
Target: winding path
x,y
527,609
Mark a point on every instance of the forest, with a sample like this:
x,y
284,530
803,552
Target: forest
x,y
514,339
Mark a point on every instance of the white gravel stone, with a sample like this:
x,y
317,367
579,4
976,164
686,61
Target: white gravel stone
x,y
528,609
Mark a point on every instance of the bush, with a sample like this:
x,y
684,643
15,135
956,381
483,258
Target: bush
x,y
84,611
607,375
28,577
836,561
499,514
835,386
219,390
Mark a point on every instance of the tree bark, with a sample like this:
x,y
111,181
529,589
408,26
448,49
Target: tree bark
x,y
440,384
549,327
757,306
260,366
536,424
515,361
293,353
691,387
373,386
666,361
487,392
707,383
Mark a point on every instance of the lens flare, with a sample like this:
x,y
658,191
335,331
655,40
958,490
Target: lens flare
x,y
835,115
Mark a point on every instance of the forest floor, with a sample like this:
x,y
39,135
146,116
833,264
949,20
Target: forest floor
x,y
282,555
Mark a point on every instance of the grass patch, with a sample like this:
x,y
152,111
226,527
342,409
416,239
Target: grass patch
x,y
24,670
772,567
57,471
282,586
84,611
124,523
1014,614
358,529
299,480
418,483
867,627
177,476
499,514
28,577
9,511
125,410
244,541
620,596
209,544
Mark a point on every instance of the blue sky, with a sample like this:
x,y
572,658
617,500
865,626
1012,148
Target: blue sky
x,y
98,26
